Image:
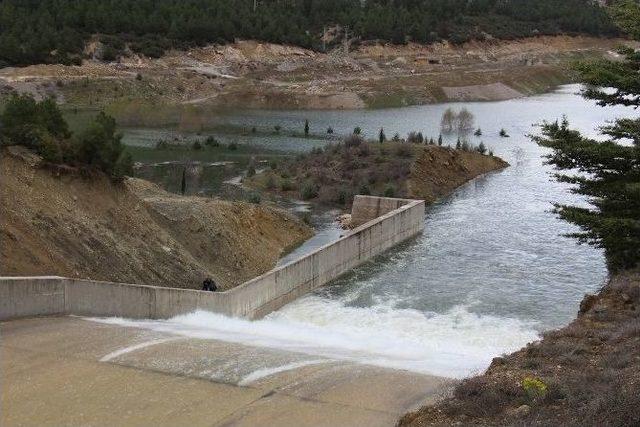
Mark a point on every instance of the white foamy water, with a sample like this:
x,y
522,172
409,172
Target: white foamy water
x,y
453,344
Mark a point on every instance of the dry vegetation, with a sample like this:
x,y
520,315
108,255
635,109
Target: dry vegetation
x,y
586,374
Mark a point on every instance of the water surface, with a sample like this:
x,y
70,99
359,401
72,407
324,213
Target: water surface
x,y
491,270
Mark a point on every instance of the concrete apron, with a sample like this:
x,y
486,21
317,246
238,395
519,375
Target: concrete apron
x,y
71,371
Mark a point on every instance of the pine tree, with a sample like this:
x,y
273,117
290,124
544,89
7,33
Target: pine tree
x,y
381,136
608,172
306,128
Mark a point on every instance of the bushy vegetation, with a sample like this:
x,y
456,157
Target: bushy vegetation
x,y
54,31
41,127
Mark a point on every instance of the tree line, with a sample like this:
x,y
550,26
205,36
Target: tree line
x,y
55,31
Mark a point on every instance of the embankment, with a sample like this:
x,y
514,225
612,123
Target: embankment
x,y
437,172
251,74
31,296
58,222
585,374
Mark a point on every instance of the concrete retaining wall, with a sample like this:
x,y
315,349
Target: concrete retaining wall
x,y
367,208
35,296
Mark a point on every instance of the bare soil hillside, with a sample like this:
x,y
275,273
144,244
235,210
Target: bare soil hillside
x,y
264,75
53,221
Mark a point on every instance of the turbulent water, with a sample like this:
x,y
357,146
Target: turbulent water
x,y
490,272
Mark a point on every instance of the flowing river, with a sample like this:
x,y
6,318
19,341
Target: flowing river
x,y
491,271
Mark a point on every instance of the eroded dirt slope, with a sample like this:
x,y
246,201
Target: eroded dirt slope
x,y
438,171
54,222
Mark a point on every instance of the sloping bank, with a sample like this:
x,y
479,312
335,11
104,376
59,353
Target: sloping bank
x,y
585,374
58,222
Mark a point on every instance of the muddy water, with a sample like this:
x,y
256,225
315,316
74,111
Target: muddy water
x,y
491,270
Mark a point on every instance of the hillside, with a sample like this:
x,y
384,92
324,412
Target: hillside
x,y
183,86
55,222
56,31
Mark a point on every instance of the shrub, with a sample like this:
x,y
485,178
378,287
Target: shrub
x,y
277,128
353,140
270,182
138,76
478,132
196,145
403,150
357,130
287,185
233,146
396,137
364,190
534,388
342,197
251,171
364,150
254,198
389,191
329,130
415,137
309,191
503,133
211,141
482,149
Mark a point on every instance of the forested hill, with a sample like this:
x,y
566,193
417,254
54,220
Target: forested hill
x,y
41,31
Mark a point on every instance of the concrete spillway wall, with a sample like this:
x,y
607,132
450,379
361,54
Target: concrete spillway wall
x,y
387,223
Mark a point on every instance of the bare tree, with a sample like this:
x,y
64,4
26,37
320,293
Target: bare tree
x,y
465,121
448,120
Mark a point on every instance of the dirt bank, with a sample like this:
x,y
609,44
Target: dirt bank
x,y
55,222
437,172
586,374
334,175
263,75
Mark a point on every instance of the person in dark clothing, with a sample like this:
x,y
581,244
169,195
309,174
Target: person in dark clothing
x,y
209,285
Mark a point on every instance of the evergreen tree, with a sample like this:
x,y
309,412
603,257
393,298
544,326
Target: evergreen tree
x,y
306,128
608,172
381,136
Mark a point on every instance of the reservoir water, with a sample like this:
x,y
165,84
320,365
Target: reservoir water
x,y
491,271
